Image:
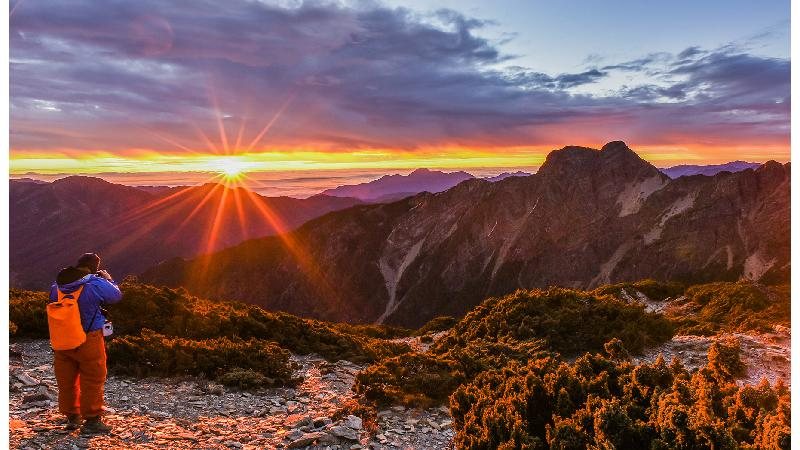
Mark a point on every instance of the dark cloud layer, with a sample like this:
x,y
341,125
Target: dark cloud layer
x,y
155,75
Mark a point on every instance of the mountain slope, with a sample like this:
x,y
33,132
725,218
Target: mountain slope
x,y
52,224
588,217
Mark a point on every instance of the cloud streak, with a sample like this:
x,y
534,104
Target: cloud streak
x,y
125,76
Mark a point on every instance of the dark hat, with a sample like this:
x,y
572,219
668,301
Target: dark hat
x,y
89,260
70,274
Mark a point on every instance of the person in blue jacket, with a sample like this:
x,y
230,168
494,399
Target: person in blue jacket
x,y
81,372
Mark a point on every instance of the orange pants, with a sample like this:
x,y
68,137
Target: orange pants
x,y
81,376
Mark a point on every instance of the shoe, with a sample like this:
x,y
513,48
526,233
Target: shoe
x,y
93,425
73,421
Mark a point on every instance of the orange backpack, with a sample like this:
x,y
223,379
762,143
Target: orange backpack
x,y
64,321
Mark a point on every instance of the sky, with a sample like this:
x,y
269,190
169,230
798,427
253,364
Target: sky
x,y
365,87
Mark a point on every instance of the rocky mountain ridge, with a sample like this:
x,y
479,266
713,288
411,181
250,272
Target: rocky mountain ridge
x,y
588,217
51,224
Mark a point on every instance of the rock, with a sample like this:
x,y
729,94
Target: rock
x,y
344,432
26,379
353,422
216,389
36,398
306,440
304,422
320,422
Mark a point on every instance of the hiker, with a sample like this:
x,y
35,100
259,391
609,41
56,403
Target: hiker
x,y
76,324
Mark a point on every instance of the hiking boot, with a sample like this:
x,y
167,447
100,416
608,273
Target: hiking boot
x,y
94,425
73,421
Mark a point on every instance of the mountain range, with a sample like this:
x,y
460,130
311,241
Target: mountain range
x,y
588,217
395,187
51,224
708,170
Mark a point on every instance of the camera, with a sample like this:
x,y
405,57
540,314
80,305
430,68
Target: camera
x,y
108,328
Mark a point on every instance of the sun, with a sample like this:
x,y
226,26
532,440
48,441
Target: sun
x,y
231,168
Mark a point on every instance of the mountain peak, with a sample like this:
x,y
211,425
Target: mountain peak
x,y
614,159
616,146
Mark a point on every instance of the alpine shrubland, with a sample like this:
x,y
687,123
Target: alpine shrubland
x,y
179,334
548,369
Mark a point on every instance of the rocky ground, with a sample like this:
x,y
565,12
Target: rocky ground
x,y
191,413
766,355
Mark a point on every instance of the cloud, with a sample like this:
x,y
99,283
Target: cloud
x,y
122,75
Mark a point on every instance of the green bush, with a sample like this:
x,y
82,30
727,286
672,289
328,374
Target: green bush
x,y
603,401
654,290
412,379
153,354
743,306
245,379
173,312
437,324
374,331
511,330
565,320
26,311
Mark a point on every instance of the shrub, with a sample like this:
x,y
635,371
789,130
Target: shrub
x,y
412,379
724,360
436,325
374,331
508,330
173,312
654,290
600,401
153,354
565,320
245,379
26,311
742,306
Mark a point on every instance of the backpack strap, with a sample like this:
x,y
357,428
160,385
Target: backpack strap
x,y
71,296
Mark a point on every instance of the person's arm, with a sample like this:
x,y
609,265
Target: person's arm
x,y
106,290
53,293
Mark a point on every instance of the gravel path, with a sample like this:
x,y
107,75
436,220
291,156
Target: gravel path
x,y
191,413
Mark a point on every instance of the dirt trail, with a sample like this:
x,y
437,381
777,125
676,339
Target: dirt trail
x,y
190,413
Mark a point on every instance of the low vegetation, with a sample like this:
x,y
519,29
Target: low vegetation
x,y
178,332
654,290
27,318
744,306
601,400
174,312
417,379
547,369
243,363
437,325
513,329
567,321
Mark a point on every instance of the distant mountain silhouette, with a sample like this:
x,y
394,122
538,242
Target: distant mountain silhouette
x,y
586,218
51,224
395,187
505,175
390,187
29,180
708,170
